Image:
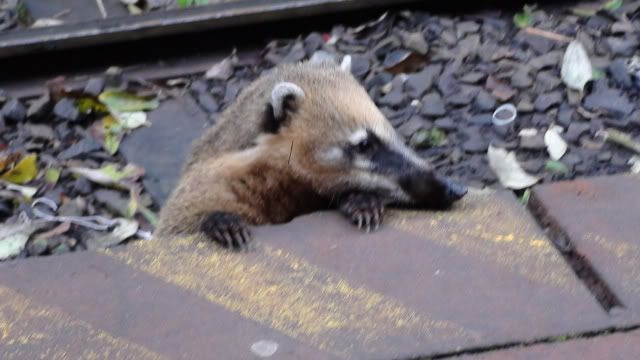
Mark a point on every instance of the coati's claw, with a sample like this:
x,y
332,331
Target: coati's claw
x,y
365,210
228,230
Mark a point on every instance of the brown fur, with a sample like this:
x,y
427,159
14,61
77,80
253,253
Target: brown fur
x,y
273,178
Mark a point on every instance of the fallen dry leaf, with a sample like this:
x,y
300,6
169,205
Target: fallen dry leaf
x,y
506,167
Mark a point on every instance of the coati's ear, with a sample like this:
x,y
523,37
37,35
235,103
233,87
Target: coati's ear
x,y
285,98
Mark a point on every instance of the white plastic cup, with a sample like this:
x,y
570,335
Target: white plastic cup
x,y
503,119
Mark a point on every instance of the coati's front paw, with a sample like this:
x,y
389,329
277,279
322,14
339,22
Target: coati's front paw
x,y
227,229
363,209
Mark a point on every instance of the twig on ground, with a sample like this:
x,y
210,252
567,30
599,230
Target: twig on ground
x,y
103,11
620,138
547,34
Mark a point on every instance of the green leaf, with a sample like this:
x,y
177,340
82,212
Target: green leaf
x,y
120,101
584,12
88,105
556,167
522,20
109,174
598,74
612,5
52,175
427,138
525,18
524,199
112,131
25,171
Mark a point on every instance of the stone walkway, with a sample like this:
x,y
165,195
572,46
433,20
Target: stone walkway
x,y
483,281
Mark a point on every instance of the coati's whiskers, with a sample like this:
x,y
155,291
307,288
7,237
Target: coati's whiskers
x,y
290,151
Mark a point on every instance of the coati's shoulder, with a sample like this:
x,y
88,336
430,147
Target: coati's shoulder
x,y
240,124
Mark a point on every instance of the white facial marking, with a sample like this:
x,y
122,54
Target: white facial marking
x,y
346,63
280,92
358,136
334,154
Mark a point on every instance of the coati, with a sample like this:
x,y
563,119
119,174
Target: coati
x,y
300,138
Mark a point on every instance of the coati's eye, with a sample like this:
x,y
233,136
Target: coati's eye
x,y
363,146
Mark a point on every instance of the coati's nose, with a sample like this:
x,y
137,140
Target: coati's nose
x,y
453,190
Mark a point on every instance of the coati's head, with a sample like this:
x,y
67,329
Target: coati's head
x,y
341,142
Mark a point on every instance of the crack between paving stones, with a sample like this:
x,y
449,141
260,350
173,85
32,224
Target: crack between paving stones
x,y
579,263
522,344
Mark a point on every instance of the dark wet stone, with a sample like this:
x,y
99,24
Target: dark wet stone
x,y
433,105
618,71
162,148
82,147
623,46
565,115
393,98
604,156
463,97
446,123
521,80
414,41
535,142
468,46
533,166
571,160
313,42
94,86
475,144
538,44
620,122
231,91
575,131
481,119
208,102
619,160
465,27
541,119
37,131
360,66
379,79
525,105
199,86
545,101
598,22
14,111
113,200
484,101
296,53
546,81
39,107
6,209
608,100
473,77
82,186
412,125
550,59
65,109
419,83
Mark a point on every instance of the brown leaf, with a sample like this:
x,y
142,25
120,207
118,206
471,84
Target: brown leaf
x,y
58,230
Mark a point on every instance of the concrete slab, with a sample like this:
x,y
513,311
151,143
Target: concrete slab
x,y
427,283
601,218
161,149
619,346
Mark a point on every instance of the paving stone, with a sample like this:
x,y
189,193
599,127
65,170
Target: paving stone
x,y
426,283
615,346
162,148
600,218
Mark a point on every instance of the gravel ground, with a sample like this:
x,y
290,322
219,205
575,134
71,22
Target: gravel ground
x,y
438,79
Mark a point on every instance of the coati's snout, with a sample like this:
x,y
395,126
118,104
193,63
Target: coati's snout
x,y
430,190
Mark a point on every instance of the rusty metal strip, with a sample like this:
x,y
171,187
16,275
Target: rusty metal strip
x,y
171,22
